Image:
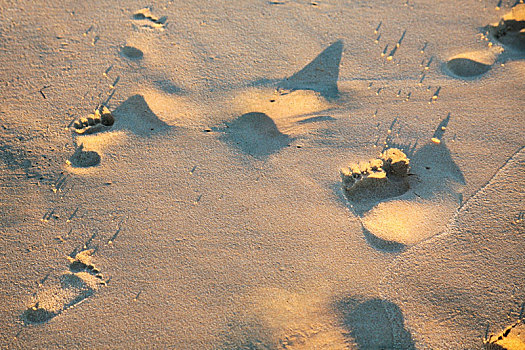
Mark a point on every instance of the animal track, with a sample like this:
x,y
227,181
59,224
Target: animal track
x,y
100,120
65,291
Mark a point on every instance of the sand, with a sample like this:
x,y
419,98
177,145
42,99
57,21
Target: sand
x,y
171,174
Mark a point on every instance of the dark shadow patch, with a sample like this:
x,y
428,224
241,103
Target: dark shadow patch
x,y
382,244
135,115
316,119
84,159
320,75
131,52
437,158
374,324
466,68
256,134
510,32
36,315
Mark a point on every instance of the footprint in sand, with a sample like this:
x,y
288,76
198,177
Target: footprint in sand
x,y
146,19
402,201
65,291
511,338
84,159
509,32
104,128
131,52
100,120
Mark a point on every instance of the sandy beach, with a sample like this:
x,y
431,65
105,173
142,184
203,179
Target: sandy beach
x,y
258,174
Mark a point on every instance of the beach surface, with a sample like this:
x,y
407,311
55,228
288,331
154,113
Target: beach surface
x,y
259,174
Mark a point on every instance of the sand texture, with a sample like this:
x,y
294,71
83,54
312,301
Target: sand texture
x,y
257,174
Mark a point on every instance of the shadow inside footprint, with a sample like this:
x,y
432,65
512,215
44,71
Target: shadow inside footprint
x,y
374,324
256,134
135,115
131,52
466,67
84,159
510,30
320,75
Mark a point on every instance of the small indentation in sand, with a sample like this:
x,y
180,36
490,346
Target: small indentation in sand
x,y
60,293
131,52
84,159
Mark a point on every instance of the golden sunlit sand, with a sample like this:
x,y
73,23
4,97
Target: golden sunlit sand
x,y
262,174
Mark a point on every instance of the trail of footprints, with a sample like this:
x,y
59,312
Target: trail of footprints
x,y
366,184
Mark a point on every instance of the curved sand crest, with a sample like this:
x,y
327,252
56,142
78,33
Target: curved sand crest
x,y
449,286
510,30
472,64
288,111
414,208
269,121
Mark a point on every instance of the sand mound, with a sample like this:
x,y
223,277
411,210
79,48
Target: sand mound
x,y
256,134
135,115
320,75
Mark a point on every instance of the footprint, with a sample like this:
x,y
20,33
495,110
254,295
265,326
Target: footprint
x,y
374,324
84,159
100,120
472,64
378,179
511,338
398,205
146,19
509,32
65,291
256,134
131,52
449,286
280,319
